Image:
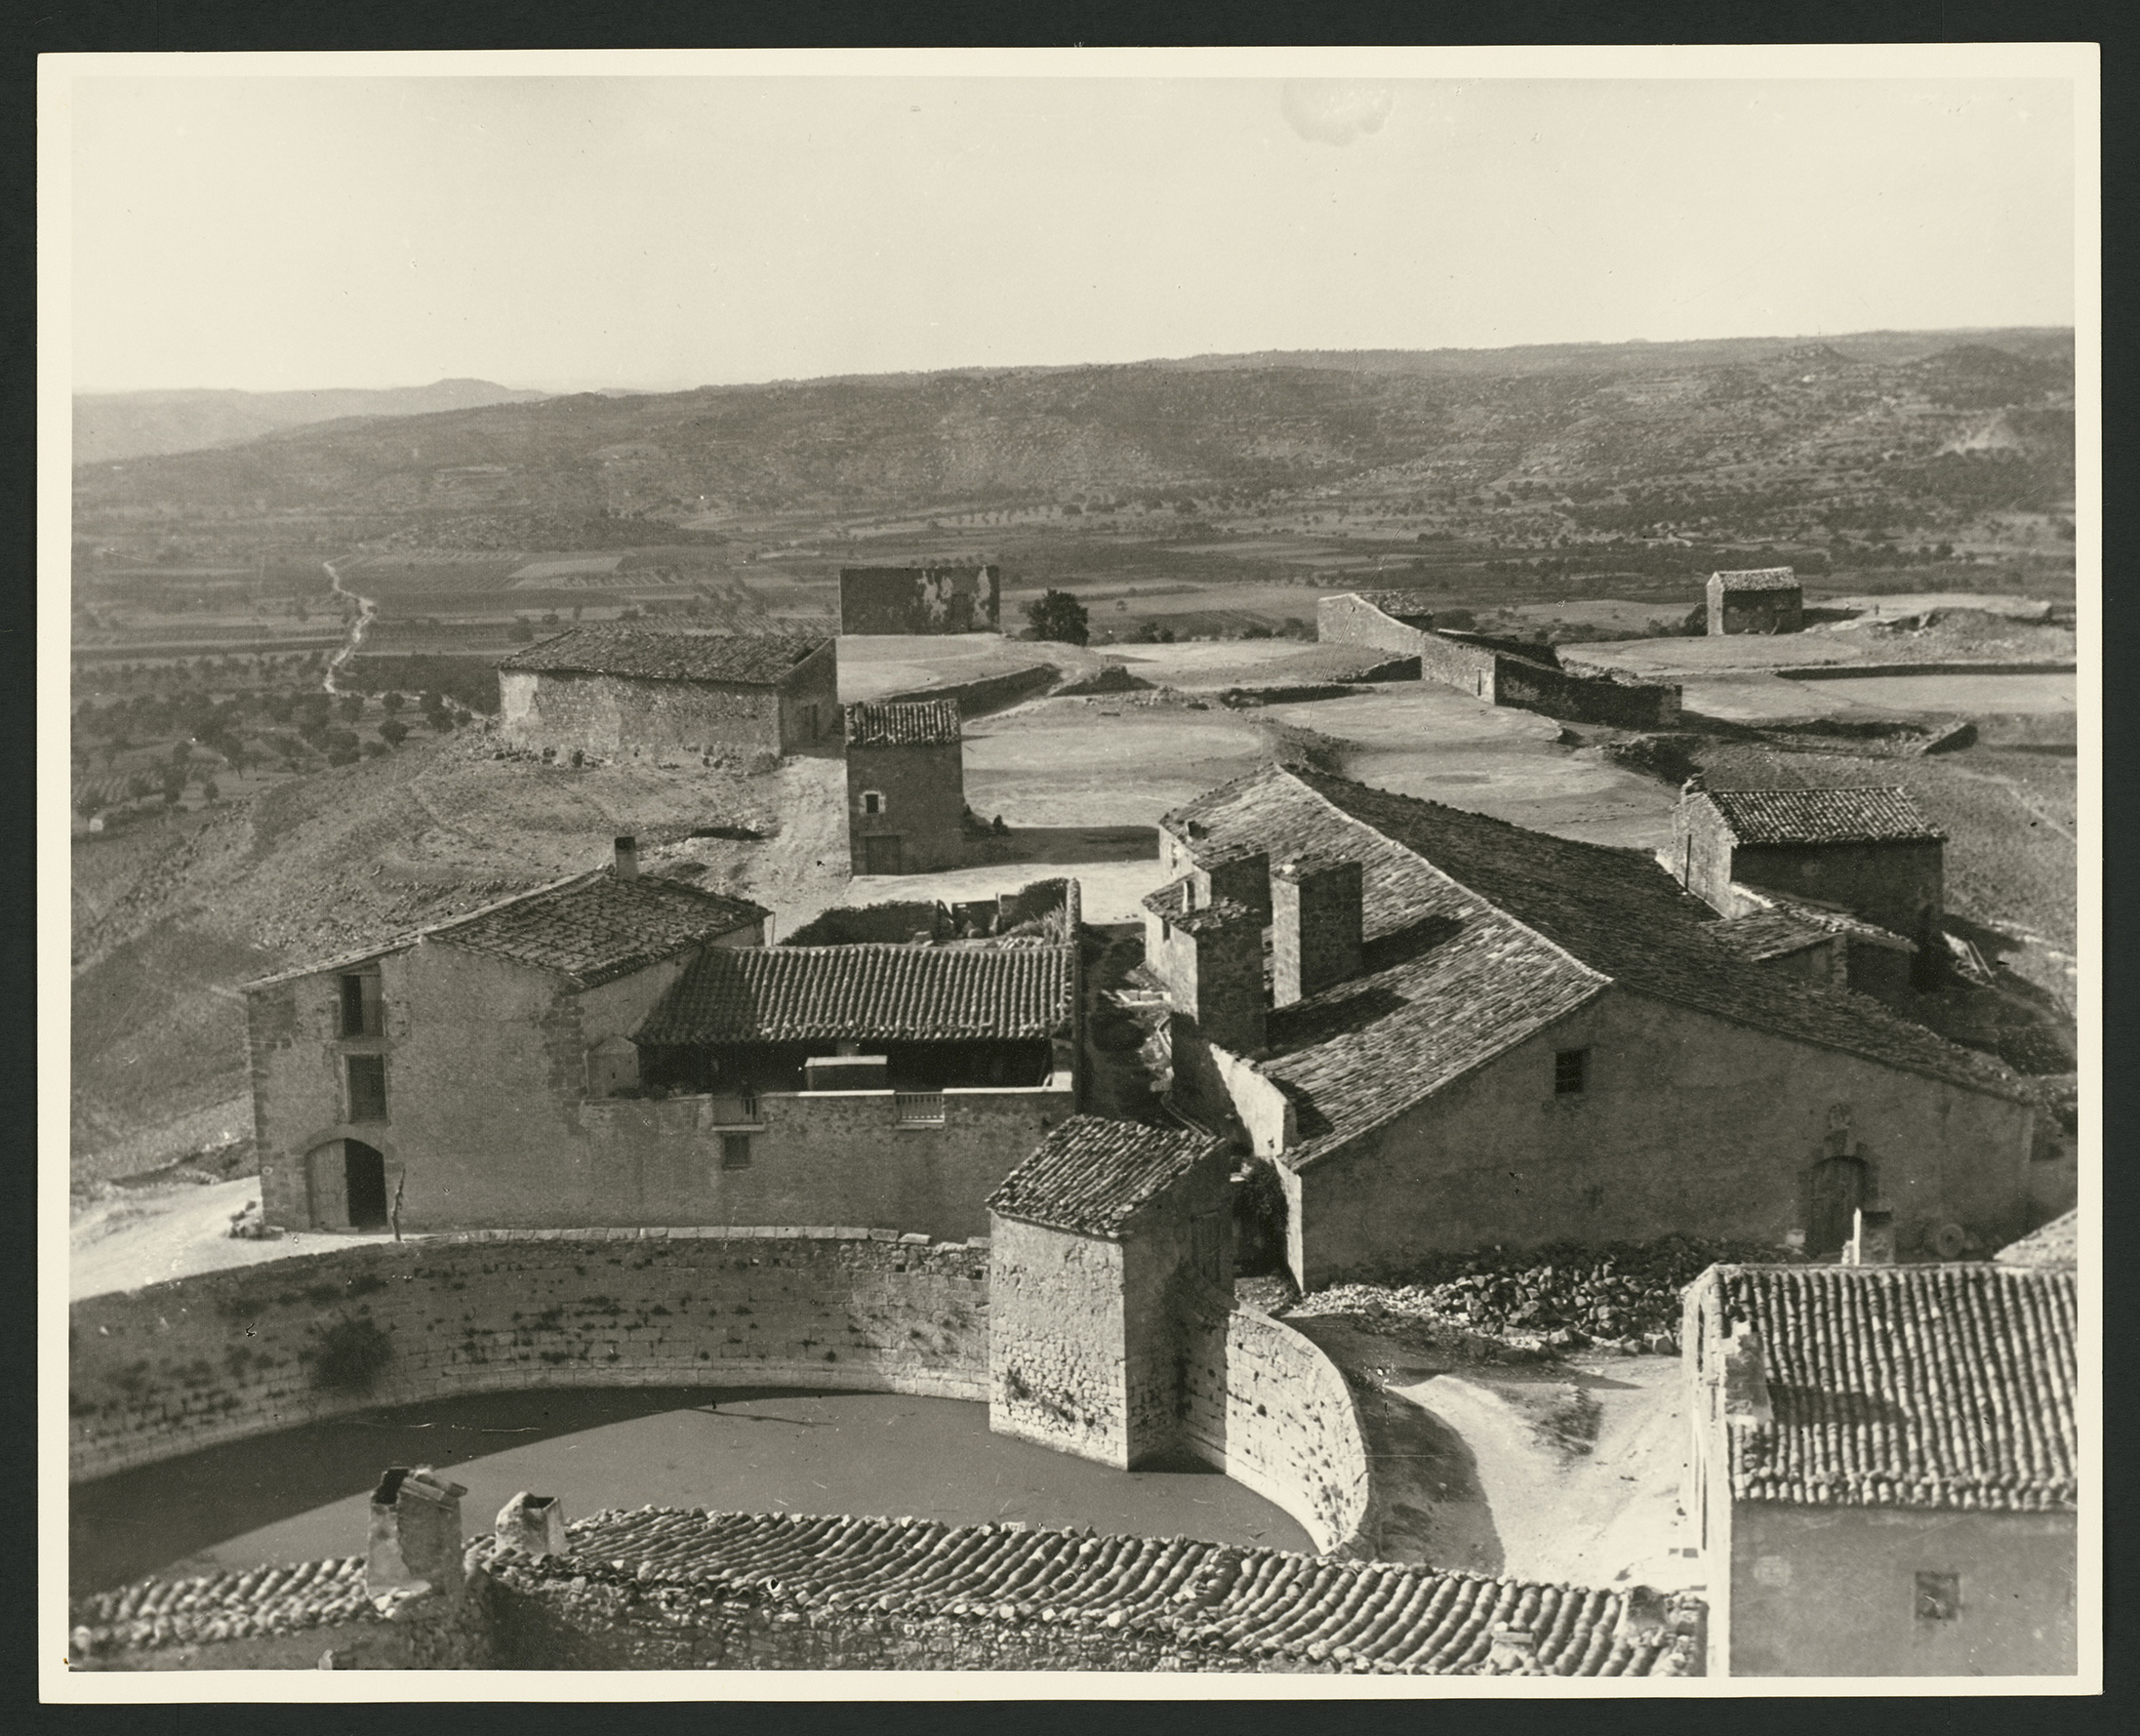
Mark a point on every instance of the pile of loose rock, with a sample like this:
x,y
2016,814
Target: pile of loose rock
x,y
1623,1297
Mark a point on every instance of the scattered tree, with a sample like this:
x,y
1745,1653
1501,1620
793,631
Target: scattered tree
x,y
394,731
1058,617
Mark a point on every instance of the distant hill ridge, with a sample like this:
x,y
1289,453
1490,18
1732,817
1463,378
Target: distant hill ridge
x,y
111,427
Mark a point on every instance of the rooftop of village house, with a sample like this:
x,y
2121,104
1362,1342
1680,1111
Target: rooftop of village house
x,y
870,993
1092,1174
1862,814
2056,1243
904,723
1476,934
1909,1385
748,660
1756,579
589,928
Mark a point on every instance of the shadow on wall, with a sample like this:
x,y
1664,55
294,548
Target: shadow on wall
x,y
153,1517
1066,844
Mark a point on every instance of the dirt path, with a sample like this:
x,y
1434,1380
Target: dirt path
x,y
146,1238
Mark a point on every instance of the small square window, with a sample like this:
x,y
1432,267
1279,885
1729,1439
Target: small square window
x,y
1939,1597
735,1150
367,1087
1570,1071
871,802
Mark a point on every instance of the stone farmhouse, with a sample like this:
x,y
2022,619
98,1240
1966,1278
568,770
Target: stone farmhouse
x,y
617,693
1467,1032
1883,1468
1857,866
611,1049
906,787
1757,600
1519,672
920,599
1091,1239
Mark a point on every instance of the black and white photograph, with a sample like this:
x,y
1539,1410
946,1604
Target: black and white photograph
x,y
1274,866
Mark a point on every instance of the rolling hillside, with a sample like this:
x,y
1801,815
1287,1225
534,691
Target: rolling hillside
x,y
109,426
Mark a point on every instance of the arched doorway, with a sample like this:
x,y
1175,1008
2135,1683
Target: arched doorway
x,y
364,1174
1838,1191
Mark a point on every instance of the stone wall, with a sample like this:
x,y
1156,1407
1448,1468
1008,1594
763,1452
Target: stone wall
x,y
1899,887
1585,699
618,717
1659,1140
177,1366
919,599
1056,1334
1267,1407
989,693
922,801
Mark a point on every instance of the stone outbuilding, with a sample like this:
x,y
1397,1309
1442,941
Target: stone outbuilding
x,y
1530,1039
620,692
1756,600
906,787
934,599
1093,1240
1882,1468
1843,858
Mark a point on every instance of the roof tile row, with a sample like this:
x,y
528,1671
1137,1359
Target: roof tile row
x,y
1092,1174
746,659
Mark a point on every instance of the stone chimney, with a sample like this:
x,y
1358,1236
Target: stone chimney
x,y
1315,927
535,1523
415,1536
1223,987
1242,876
628,858
1872,1239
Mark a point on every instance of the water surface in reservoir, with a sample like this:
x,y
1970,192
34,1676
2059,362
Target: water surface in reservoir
x,y
303,1495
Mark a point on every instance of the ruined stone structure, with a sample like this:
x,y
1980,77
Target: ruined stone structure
x,y
1499,671
1757,600
1542,1040
625,1050
1092,1240
919,599
1883,1468
906,787
620,692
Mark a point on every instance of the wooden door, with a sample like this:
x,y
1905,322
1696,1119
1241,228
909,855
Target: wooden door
x,y
880,856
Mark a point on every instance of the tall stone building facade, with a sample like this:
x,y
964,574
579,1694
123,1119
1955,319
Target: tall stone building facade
x,y
906,787
920,599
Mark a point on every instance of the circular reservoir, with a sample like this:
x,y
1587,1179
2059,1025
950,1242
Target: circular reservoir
x,y
303,1494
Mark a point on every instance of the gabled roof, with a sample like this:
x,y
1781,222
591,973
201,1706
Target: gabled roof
x,y
1768,934
1092,1174
1809,913
752,659
1756,579
588,927
1860,813
1478,934
2056,1243
867,994
596,927
904,723
1907,1385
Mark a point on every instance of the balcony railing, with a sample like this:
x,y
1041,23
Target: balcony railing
x,y
918,1108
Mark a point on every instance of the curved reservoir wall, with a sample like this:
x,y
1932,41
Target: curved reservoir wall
x,y
177,1366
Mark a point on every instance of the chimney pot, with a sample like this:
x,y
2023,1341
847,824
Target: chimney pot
x,y
1872,1239
628,858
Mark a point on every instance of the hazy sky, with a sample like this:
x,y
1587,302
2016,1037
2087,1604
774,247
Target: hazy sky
x,y
668,231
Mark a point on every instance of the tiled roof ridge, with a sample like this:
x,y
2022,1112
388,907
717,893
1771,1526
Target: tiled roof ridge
x,y
1756,577
1908,826
1093,1173
596,647
1254,1601
894,723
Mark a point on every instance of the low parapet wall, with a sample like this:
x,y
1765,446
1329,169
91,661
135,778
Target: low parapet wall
x,y
177,1366
1529,679
991,692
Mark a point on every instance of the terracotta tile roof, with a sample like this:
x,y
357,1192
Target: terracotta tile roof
x,y
1756,579
907,723
1827,918
746,659
1477,934
2056,1243
1092,1174
1254,1604
1909,1385
1879,814
595,927
870,993
156,1614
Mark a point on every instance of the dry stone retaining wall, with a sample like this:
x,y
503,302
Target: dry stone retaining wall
x,y
174,1367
